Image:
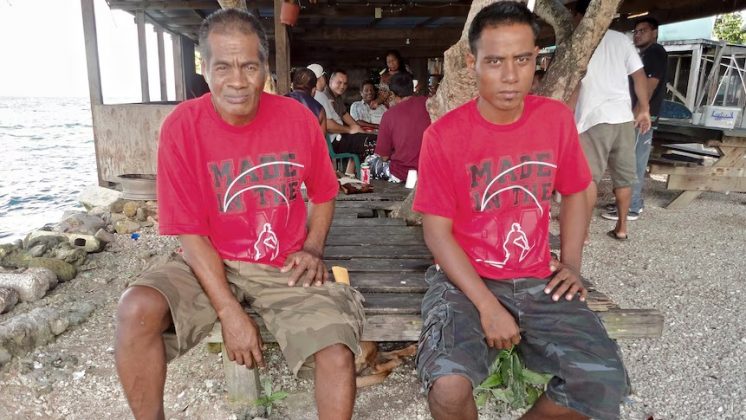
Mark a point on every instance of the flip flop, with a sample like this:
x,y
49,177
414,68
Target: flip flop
x,y
613,235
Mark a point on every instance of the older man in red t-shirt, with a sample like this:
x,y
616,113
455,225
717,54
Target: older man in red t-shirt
x,y
400,132
230,168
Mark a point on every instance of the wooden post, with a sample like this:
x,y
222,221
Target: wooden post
x,y
162,63
179,81
143,48
282,53
94,70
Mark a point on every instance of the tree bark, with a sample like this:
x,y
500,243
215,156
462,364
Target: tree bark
x,y
233,4
574,52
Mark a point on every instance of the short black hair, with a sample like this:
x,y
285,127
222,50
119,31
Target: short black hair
x,y
653,22
335,72
369,82
304,79
401,84
582,6
501,13
228,20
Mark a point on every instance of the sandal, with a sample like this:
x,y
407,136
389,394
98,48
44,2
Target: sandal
x,y
612,234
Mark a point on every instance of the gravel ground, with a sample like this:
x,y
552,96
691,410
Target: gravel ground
x,y
689,264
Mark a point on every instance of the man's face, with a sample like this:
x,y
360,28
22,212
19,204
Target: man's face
x,y
392,63
368,93
338,84
644,35
320,83
504,67
235,75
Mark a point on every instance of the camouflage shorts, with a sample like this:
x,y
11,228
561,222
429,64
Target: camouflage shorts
x,y
303,320
563,338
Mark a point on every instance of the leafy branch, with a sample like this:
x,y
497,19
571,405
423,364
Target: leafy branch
x,y
510,382
269,398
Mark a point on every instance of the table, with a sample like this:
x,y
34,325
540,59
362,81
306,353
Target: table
x,y
727,173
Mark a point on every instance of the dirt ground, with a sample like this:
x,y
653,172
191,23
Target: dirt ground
x,y
74,377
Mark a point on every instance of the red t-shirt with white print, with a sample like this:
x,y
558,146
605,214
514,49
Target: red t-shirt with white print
x,y
495,182
241,186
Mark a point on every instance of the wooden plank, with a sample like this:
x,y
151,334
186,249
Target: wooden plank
x,y
368,222
377,251
241,384
619,323
161,63
94,73
407,282
381,265
373,230
282,52
377,239
682,200
697,171
372,205
706,183
143,53
729,141
179,82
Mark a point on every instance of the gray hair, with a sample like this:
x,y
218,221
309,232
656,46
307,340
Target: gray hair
x,y
228,20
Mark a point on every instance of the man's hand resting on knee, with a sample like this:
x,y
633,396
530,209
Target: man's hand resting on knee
x,y
566,280
241,337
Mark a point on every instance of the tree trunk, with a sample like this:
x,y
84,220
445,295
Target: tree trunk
x,y
568,67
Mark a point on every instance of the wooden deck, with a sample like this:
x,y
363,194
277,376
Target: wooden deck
x,y
387,261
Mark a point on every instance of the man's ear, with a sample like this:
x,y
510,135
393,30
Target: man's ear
x,y
203,65
471,61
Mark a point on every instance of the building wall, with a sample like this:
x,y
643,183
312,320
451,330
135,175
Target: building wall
x,y
127,138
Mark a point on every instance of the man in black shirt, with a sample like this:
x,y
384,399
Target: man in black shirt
x,y
655,60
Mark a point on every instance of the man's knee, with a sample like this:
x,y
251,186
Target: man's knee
x,y
336,356
450,391
143,308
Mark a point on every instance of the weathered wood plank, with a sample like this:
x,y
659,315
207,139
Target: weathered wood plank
x,y
697,170
374,230
367,222
376,239
379,251
407,282
381,265
706,183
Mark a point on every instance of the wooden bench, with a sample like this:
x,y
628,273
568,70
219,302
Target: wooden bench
x,y
387,262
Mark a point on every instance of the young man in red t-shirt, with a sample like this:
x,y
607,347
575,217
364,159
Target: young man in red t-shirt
x,y
486,174
230,169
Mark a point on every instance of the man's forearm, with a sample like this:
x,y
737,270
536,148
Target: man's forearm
x,y
573,221
641,90
335,128
319,221
207,265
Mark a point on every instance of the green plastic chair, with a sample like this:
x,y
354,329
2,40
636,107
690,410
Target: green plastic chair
x,y
338,158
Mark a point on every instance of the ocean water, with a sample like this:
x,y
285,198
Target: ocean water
x,y
46,159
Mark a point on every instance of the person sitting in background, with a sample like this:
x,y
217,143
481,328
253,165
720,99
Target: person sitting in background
x,y
318,71
362,112
394,63
338,121
538,77
400,132
304,87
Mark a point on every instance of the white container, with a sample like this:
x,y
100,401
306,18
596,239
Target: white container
x,y
721,116
411,179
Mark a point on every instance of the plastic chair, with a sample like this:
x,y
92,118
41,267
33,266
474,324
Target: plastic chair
x,y
339,157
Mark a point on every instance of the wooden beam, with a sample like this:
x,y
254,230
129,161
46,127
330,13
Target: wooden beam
x,y
282,52
403,10
336,34
161,64
179,81
143,50
94,71
162,5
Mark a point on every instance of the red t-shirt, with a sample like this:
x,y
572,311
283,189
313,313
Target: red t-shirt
x,y
241,186
495,182
400,134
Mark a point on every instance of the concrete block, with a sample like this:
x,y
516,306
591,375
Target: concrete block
x,y
31,285
8,299
95,196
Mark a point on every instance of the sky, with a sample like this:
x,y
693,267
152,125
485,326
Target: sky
x,y
44,51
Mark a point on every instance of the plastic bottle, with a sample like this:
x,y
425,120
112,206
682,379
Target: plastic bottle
x,y
365,173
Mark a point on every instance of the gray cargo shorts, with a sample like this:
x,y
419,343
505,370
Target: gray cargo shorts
x,y
564,338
